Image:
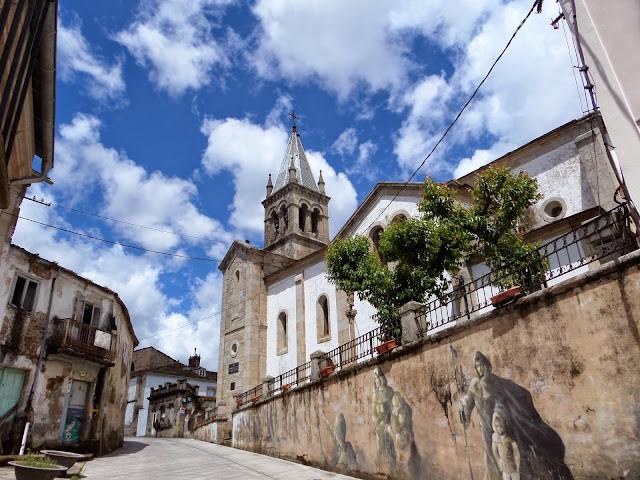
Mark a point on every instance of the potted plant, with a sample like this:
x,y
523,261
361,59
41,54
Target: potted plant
x,y
386,346
286,387
37,468
506,296
66,459
238,401
255,399
326,371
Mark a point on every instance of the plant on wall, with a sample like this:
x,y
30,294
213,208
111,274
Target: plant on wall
x,y
417,252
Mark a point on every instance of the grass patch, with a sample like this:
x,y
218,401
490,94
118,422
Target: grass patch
x,y
33,461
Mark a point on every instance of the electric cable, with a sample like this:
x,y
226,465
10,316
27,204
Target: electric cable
x,y
536,4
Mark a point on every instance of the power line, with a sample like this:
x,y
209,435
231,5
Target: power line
x,y
536,4
124,222
115,243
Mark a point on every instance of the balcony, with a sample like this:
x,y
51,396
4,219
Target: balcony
x,y
79,339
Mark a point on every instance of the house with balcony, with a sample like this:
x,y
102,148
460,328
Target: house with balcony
x,y
66,346
153,370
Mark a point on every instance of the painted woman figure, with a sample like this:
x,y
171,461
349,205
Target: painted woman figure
x,y
382,397
505,449
541,448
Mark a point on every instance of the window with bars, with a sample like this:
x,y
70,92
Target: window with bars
x,y
24,293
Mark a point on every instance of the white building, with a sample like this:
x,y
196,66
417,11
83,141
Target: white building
x,y
278,306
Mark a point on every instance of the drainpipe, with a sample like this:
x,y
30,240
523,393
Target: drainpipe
x,y
47,67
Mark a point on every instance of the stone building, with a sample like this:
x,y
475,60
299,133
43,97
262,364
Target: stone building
x,y
65,354
151,369
174,408
278,307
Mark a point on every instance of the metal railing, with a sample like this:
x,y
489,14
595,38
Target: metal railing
x,y
294,377
252,395
595,240
86,339
352,351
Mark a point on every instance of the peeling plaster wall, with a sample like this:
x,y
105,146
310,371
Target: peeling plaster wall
x,y
560,369
21,337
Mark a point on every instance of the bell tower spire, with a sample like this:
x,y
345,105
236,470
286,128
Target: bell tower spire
x,y
296,207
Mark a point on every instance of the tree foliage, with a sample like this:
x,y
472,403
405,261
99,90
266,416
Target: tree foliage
x,y
418,252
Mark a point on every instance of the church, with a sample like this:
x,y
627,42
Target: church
x,y
278,307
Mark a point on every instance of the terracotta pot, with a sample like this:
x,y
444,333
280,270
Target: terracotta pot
x,y
506,296
286,387
327,371
386,346
255,399
239,401
36,473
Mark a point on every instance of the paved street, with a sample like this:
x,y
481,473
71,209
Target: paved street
x,y
174,459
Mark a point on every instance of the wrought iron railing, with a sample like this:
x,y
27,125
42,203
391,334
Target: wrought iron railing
x,y
252,396
354,350
595,240
86,339
21,23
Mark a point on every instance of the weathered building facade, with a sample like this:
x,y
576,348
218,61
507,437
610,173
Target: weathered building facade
x,y
65,353
152,369
278,307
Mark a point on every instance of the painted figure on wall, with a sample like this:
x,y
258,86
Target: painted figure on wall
x,y
393,421
540,448
505,449
344,456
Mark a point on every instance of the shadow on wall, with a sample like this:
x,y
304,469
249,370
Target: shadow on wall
x,y
518,444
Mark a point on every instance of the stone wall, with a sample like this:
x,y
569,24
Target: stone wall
x,y
548,387
207,432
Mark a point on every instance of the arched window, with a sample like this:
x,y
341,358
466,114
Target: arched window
x,y
276,222
401,217
322,319
374,235
315,218
302,216
282,333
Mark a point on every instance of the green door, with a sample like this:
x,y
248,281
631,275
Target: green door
x,y
10,387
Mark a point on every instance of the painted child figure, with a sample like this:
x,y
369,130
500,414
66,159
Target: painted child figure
x,y
505,449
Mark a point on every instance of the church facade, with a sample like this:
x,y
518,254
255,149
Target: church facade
x,y
278,307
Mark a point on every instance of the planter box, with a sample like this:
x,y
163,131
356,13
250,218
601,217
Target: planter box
x,y
255,399
327,371
506,296
35,473
386,347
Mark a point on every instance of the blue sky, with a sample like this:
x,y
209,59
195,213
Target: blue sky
x,y
172,113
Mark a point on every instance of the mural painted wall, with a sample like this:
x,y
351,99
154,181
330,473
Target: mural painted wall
x,y
545,389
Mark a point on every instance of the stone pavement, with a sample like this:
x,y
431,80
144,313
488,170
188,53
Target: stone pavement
x,y
176,459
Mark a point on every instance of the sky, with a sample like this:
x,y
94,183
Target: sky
x,y
170,114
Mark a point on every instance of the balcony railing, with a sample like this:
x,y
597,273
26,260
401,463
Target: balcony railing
x,y
85,339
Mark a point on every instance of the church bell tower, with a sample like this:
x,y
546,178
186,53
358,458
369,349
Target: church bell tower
x,y
296,210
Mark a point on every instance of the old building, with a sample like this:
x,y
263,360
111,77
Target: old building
x,y
151,369
174,409
278,307
65,353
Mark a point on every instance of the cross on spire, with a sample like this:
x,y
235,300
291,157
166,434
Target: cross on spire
x,y
293,116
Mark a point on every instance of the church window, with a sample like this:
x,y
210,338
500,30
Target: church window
x,y
282,333
399,218
234,349
375,240
302,217
238,275
315,218
276,222
232,386
322,319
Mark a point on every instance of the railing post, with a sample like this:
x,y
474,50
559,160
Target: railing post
x,y
315,364
266,384
407,318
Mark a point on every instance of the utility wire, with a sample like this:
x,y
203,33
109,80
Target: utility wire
x,y
536,4
113,242
126,223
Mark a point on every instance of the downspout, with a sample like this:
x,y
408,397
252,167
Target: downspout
x,y
47,68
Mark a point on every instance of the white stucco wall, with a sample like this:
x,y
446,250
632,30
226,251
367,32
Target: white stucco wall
x,y
281,297
315,285
405,204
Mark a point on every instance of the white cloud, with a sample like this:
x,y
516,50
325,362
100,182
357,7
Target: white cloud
x,y
175,39
346,143
129,192
262,150
76,62
340,45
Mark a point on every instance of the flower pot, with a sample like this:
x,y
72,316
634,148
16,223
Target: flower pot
x,y
327,371
36,473
66,459
255,399
386,346
506,296
286,387
239,401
